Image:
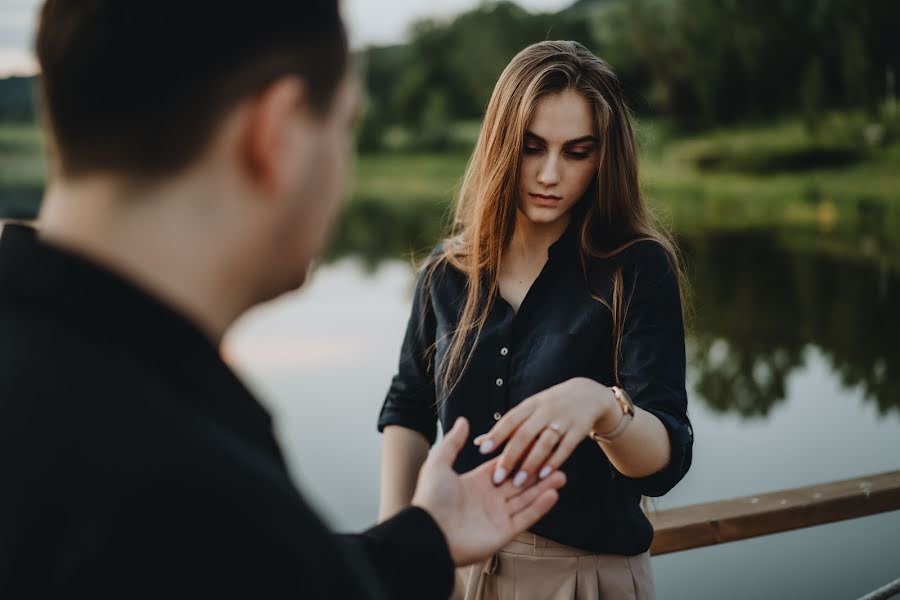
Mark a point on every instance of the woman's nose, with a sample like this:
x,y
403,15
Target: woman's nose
x,y
549,172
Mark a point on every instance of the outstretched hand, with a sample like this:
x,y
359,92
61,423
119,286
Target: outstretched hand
x,y
477,516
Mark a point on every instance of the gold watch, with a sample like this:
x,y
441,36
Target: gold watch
x,y
627,407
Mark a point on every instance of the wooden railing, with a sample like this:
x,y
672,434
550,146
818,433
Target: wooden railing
x,y
711,523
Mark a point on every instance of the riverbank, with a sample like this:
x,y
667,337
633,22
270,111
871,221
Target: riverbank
x,y
720,179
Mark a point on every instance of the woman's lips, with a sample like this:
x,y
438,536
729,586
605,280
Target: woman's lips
x,y
545,200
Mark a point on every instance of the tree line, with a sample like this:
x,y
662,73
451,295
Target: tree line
x,y
696,63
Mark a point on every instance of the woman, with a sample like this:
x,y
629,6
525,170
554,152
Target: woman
x,y
554,301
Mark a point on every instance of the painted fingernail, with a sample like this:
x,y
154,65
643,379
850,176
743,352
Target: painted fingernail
x,y
545,471
521,476
499,475
486,446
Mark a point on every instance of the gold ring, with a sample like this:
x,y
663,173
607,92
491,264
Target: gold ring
x,y
555,428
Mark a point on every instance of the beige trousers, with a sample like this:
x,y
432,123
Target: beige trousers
x,y
532,567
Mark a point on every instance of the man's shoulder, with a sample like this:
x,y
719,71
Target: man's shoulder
x,y
96,434
101,410
41,355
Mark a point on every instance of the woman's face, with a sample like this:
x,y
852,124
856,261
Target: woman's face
x,y
559,157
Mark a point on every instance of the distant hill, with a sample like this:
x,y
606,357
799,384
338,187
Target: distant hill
x,y
17,99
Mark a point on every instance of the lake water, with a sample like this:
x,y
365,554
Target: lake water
x,y
794,379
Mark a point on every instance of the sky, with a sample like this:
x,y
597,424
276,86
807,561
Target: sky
x,y
368,22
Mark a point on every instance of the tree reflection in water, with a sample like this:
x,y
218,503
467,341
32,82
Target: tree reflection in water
x,y
760,299
759,304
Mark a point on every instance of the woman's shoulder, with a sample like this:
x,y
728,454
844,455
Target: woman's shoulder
x,y
440,256
438,251
646,254
642,262
641,253
434,269
648,268
435,259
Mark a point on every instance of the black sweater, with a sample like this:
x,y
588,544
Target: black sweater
x,y
135,464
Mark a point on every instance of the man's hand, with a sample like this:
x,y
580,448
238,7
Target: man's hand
x,y
477,516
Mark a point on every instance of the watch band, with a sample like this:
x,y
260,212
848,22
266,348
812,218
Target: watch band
x,y
627,416
619,430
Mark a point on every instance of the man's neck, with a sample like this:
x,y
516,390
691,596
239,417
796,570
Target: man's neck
x,y
157,240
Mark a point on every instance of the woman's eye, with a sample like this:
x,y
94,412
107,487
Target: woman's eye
x,y
532,149
578,154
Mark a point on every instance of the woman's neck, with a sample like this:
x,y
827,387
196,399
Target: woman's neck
x,y
530,241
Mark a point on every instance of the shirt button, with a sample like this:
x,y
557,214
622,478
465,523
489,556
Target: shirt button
x,y
499,382
497,416
504,351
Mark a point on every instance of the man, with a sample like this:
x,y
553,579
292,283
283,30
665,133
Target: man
x,y
198,153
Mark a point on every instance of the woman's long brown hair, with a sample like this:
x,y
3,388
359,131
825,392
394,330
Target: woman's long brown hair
x,y
612,215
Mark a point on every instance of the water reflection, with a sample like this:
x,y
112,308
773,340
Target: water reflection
x,y
760,302
375,230
760,298
20,201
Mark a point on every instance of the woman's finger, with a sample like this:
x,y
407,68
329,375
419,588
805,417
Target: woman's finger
x,y
538,455
524,436
503,428
485,471
565,449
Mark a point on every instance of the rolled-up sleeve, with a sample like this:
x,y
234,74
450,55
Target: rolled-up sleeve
x,y
410,400
652,361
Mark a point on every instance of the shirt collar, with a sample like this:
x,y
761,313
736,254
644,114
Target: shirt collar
x,y
66,287
567,243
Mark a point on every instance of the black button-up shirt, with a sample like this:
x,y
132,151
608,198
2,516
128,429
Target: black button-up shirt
x,y
558,333
134,464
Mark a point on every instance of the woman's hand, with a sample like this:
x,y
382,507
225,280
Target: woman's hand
x,y
547,427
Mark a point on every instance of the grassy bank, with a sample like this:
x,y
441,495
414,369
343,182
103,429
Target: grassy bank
x,y
708,180
21,155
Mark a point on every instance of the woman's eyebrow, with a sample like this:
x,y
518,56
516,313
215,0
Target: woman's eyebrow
x,y
579,140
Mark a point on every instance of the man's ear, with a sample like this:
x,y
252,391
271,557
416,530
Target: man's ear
x,y
272,135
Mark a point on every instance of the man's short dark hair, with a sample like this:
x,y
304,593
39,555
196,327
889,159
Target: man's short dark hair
x,y
141,87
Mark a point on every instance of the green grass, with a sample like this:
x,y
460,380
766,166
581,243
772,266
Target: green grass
x,y
409,178
858,206
685,196
826,198
22,161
